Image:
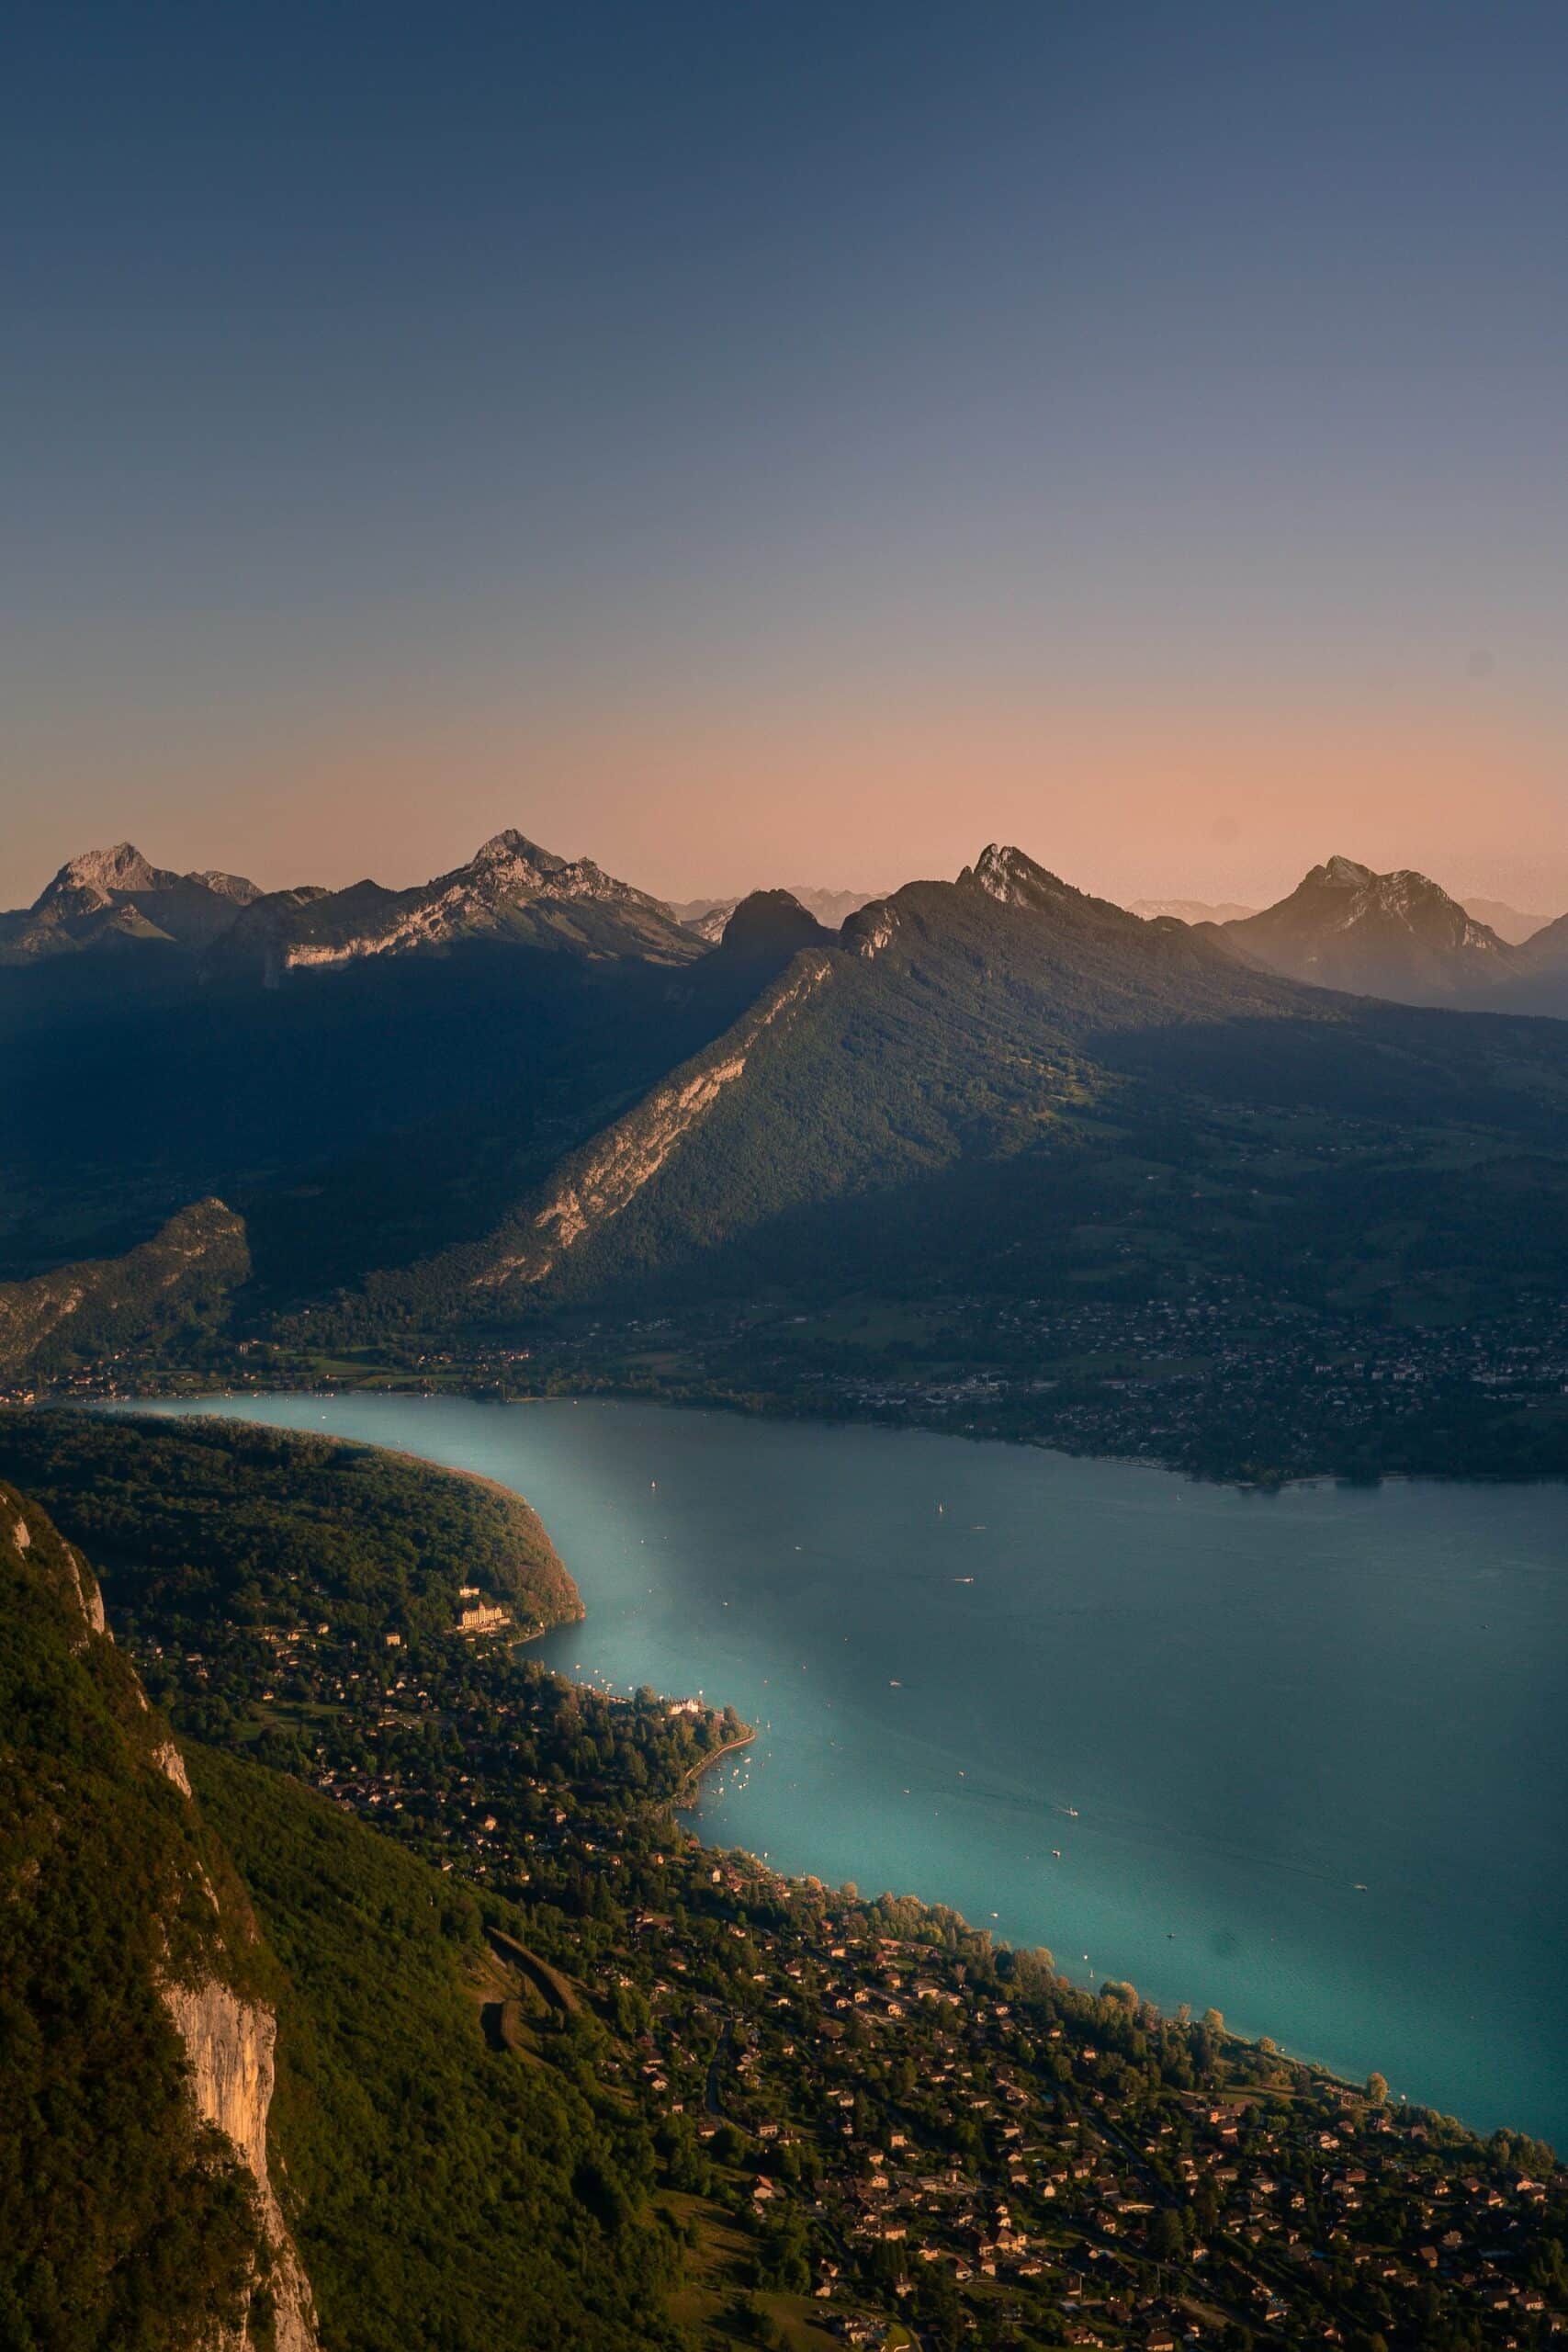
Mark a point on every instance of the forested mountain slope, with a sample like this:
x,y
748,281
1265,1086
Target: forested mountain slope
x,y
933,1095
136,2066
248,2103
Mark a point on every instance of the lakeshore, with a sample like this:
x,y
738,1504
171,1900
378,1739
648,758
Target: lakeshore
x,y
1234,1715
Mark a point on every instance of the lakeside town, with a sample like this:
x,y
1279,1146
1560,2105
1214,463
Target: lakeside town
x,y
875,2126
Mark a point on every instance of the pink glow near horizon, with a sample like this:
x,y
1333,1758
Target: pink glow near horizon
x,y
1168,802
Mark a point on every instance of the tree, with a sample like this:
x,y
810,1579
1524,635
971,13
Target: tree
x,y
1377,2089
1166,2238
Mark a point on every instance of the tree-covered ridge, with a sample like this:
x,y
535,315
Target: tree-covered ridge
x,y
124,2224
201,1522
443,2192
165,1292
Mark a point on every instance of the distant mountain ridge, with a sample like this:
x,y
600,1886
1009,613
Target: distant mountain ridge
x,y
1190,909
510,890
525,1080
949,1043
707,917
114,898
1397,935
1509,924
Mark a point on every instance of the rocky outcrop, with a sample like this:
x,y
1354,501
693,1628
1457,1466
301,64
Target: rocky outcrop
x,y
256,2298
603,1178
228,2045
1397,935
869,930
510,889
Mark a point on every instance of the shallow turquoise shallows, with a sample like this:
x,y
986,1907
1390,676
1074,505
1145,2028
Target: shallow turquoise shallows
x,y
1300,1757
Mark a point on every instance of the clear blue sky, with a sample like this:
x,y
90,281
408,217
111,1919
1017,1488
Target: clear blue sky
x,y
753,442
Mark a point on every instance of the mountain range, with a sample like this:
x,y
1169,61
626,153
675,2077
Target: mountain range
x,y
933,1096
509,890
525,1086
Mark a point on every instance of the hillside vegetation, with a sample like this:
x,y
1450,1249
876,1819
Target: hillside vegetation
x,y
952,1096
124,2224
441,2192
197,1520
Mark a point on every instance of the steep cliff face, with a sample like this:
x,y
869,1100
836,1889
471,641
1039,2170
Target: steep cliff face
x,y
228,2044
135,2187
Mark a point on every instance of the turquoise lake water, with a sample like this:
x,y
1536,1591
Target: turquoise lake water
x,y
1299,1757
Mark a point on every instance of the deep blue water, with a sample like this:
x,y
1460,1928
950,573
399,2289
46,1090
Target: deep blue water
x,y
1305,1755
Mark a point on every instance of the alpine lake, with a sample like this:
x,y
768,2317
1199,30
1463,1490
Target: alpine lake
x,y
1302,1757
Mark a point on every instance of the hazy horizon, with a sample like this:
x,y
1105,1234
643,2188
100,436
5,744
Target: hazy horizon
x,y
394,876
739,444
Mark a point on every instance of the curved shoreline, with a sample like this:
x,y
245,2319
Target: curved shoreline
x,y
694,1773
685,1794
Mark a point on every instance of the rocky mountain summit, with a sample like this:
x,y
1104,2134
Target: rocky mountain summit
x,y
115,898
1398,935
510,890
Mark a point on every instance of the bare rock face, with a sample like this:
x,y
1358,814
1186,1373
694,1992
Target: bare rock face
x,y
1397,935
869,930
230,2042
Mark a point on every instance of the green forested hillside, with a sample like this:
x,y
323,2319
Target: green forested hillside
x,y
445,2195
441,2192
124,2226
177,1285
198,1521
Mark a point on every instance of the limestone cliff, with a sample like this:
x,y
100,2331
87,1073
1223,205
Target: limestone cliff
x,y
229,2043
162,2075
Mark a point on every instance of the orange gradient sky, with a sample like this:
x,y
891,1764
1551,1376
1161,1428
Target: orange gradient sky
x,y
753,445
1178,802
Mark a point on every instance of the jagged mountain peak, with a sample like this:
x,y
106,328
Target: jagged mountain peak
x,y
510,889
1403,897
1341,874
97,877
1397,935
103,871
1007,874
1013,878
510,852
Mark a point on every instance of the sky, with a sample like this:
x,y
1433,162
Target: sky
x,y
751,442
